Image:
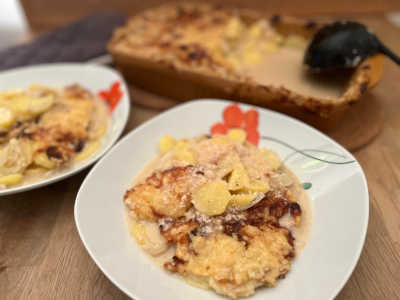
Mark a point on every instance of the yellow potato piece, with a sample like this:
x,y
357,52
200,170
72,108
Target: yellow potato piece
x,y
183,153
211,198
138,231
259,186
26,107
87,151
227,164
242,199
34,171
40,105
237,135
7,117
166,143
11,179
239,178
255,30
20,105
41,88
43,160
272,159
99,132
234,28
11,94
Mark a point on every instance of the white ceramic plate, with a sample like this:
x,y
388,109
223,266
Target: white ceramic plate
x,y
339,196
91,77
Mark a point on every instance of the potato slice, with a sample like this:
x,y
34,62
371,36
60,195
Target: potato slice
x,y
166,143
260,186
138,231
35,171
7,117
239,178
272,159
234,29
184,153
227,164
38,106
87,151
11,179
242,199
43,160
16,156
211,198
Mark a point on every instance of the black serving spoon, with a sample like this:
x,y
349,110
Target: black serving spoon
x,y
343,45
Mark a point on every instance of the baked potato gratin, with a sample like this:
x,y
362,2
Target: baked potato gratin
x,y
43,130
202,36
220,212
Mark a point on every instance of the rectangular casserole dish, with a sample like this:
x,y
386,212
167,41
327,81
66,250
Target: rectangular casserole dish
x,y
152,55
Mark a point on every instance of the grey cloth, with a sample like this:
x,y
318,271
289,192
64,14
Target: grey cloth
x,y
77,42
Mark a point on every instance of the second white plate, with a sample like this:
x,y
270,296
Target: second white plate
x,y
92,77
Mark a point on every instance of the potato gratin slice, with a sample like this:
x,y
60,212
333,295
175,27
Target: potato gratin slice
x,y
43,130
225,210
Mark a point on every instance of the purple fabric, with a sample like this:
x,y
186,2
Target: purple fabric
x,y
77,42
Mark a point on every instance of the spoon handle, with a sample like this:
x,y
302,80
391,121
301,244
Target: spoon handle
x,y
390,54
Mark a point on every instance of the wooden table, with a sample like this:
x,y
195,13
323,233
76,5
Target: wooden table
x,y
42,257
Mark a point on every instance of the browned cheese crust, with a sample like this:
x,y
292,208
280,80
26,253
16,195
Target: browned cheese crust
x,y
233,252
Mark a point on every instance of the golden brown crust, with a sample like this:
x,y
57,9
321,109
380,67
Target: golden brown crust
x,y
247,244
62,130
164,194
231,266
149,47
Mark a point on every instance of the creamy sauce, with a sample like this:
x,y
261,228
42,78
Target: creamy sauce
x,y
147,171
160,258
301,233
284,68
166,255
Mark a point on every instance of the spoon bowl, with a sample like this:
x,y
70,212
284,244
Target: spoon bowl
x,y
343,45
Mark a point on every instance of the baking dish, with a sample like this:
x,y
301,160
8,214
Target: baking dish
x,y
151,55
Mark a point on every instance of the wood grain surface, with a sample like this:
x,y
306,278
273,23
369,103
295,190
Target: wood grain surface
x,y
42,257
46,14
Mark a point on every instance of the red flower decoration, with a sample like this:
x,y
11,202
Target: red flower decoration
x,y
219,128
251,118
234,117
112,96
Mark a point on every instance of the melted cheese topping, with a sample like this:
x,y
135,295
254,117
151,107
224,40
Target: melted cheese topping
x,y
44,130
230,218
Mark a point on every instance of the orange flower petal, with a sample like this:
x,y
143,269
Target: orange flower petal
x,y
219,128
251,118
233,116
253,136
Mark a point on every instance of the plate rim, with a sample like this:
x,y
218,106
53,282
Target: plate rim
x,y
113,140
123,288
